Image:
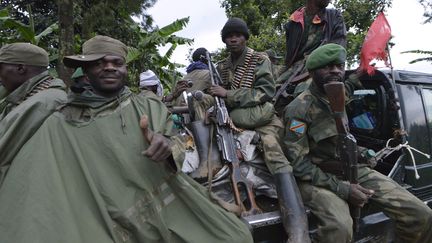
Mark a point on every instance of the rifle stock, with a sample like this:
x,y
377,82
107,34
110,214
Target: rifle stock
x,y
347,144
228,148
295,77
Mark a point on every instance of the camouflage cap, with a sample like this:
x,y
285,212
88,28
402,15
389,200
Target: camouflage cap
x,y
24,53
326,54
96,48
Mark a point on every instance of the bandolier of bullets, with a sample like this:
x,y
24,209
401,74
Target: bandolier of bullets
x,y
38,88
244,74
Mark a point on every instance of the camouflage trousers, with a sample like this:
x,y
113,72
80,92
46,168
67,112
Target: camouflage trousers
x,y
272,151
412,217
270,136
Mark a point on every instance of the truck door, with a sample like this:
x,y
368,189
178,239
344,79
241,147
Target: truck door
x,y
416,108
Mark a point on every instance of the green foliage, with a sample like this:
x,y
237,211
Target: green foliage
x,y
20,32
21,20
266,18
358,16
144,55
427,4
422,59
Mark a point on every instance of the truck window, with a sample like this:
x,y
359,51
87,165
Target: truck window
x,y
363,109
414,110
427,97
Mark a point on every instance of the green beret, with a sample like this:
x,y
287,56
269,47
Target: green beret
x,y
95,49
24,53
326,54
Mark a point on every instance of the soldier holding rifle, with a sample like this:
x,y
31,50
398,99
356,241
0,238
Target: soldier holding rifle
x,y
311,145
247,88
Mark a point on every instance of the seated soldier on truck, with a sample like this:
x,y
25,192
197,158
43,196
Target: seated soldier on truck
x,y
310,144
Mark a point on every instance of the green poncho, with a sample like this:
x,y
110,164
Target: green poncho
x,y
82,178
23,111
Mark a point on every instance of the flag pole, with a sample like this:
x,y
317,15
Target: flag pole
x,y
391,63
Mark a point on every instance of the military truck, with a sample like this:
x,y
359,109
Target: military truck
x,y
391,115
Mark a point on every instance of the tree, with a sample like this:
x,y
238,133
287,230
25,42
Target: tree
x,y
421,59
83,19
144,55
266,18
66,37
427,4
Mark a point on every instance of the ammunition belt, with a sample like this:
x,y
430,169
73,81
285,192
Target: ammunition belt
x,y
38,88
244,75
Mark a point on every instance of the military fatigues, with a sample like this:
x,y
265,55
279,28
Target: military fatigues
x,y
24,110
310,144
249,83
200,78
3,93
201,81
311,38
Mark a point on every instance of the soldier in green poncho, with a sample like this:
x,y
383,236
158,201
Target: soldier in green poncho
x,y
95,172
28,95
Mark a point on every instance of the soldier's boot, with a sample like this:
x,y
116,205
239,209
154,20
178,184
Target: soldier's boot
x,y
293,214
202,137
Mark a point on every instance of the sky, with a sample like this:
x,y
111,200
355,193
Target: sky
x,y
207,19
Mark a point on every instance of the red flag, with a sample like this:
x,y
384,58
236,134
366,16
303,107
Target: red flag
x,y
374,45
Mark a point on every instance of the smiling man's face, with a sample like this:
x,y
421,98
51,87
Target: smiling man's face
x,y
107,75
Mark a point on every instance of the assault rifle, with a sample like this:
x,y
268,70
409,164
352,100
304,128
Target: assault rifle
x,y
228,148
281,98
347,144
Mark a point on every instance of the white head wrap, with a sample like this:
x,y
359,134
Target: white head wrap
x,y
149,78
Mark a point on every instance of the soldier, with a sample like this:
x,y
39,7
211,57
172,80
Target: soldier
x,y
248,86
105,175
150,84
30,96
80,81
3,92
274,59
197,75
198,71
308,28
310,145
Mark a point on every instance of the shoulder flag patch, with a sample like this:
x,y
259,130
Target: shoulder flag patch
x,y
298,127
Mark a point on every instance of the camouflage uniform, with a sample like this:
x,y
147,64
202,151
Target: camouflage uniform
x,y
261,90
310,143
3,92
305,33
201,81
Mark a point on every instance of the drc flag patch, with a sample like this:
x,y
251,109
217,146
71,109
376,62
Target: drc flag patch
x,y
297,127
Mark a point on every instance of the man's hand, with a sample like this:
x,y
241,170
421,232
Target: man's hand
x,y
216,90
159,146
181,86
359,195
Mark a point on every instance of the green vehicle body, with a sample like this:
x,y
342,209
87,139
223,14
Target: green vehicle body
x,y
396,107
